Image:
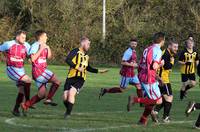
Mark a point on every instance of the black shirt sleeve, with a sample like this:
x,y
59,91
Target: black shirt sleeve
x,y
166,57
70,56
91,69
197,57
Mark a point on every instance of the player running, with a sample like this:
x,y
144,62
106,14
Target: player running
x,y
149,64
129,63
192,106
189,60
16,52
78,60
39,53
165,86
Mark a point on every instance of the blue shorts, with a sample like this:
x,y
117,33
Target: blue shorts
x,y
129,80
44,78
15,74
152,91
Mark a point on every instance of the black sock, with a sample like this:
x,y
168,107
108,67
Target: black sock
x,y
198,121
188,87
197,105
69,108
66,104
159,107
167,108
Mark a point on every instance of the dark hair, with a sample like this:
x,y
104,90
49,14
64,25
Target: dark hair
x,y
158,37
133,39
19,32
38,33
172,41
84,38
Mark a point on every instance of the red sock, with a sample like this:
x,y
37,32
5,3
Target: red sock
x,y
114,90
146,113
52,90
19,100
33,100
139,93
27,90
146,101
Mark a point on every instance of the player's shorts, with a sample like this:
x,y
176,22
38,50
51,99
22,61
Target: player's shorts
x,y
152,91
186,77
15,74
166,89
125,81
44,78
75,82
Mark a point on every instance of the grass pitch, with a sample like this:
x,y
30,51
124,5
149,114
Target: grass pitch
x,y
90,114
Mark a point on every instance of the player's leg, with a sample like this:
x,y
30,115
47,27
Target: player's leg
x,y
27,85
71,94
192,106
123,85
197,124
167,108
54,87
16,74
36,98
19,100
185,83
71,88
153,97
160,106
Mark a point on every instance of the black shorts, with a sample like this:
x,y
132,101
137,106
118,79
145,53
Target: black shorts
x,y
166,89
186,77
74,82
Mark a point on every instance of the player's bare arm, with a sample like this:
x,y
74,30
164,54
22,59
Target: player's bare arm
x,y
49,52
131,64
36,55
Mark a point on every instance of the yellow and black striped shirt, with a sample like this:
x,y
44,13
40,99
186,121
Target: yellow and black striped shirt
x,y
75,59
190,59
165,70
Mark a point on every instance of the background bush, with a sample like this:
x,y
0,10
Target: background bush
x,y
67,20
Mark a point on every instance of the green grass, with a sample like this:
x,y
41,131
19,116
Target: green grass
x,y
89,113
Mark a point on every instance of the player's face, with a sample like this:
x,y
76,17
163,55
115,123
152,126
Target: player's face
x,y
133,44
43,38
174,48
86,45
190,45
162,43
21,38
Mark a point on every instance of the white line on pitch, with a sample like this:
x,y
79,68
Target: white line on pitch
x,y
11,121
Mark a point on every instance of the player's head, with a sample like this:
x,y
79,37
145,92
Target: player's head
x,y
20,36
189,44
133,43
190,36
85,43
41,36
173,46
159,38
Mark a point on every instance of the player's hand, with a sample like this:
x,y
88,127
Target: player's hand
x,y
103,71
80,69
162,63
133,64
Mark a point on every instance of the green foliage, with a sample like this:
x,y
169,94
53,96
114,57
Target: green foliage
x,y
67,20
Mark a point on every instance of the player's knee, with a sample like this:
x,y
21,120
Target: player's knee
x,y
65,95
41,95
159,101
193,83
